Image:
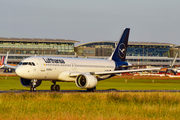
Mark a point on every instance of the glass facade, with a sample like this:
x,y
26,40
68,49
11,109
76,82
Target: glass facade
x,y
133,49
148,50
50,48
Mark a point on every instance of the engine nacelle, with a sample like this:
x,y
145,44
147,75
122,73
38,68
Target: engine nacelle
x,y
86,81
29,83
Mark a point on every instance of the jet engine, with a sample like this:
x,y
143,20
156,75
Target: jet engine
x,y
86,81
29,83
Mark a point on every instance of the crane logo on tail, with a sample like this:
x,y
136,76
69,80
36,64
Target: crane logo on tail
x,y
122,50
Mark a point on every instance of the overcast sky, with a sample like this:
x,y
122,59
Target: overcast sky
x,y
91,20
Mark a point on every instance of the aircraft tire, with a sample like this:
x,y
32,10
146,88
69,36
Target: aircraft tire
x,y
52,88
91,90
32,89
57,87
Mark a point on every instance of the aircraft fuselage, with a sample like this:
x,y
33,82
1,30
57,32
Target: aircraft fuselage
x,y
54,68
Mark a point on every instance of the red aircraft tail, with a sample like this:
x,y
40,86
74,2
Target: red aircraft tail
x,y
2,61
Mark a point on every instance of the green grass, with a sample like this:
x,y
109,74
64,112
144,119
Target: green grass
x,y
90,106
139,84
13,83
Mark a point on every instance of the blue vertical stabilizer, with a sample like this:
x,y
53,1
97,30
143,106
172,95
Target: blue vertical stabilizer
x,y
119,53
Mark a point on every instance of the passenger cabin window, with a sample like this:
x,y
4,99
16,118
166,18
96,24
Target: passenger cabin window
x,y
27,63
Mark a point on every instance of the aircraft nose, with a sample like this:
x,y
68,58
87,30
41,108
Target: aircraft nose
x,y
19,72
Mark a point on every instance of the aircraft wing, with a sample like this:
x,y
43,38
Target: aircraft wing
x,y
74,74
125,71
125,66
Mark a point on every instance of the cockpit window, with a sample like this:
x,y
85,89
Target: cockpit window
x,y
27,63
24,63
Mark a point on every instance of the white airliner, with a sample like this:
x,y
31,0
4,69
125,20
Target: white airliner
x,y
83,71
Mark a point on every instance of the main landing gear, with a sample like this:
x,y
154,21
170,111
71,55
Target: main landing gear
x,y
91,89
55,87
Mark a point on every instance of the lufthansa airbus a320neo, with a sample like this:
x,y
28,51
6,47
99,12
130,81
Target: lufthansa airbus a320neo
x,y
84,72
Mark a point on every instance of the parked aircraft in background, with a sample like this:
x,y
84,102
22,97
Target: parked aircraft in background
x,y
83,71
170,69
2,62
174,71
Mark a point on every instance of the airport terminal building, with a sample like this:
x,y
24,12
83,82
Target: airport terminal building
x,y
37,46
105,48
154,53
21,48
158,54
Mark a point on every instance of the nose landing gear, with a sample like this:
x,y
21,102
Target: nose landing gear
x,y
33,87
55,87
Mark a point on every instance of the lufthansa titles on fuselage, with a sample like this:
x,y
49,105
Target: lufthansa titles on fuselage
x,y
53,60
